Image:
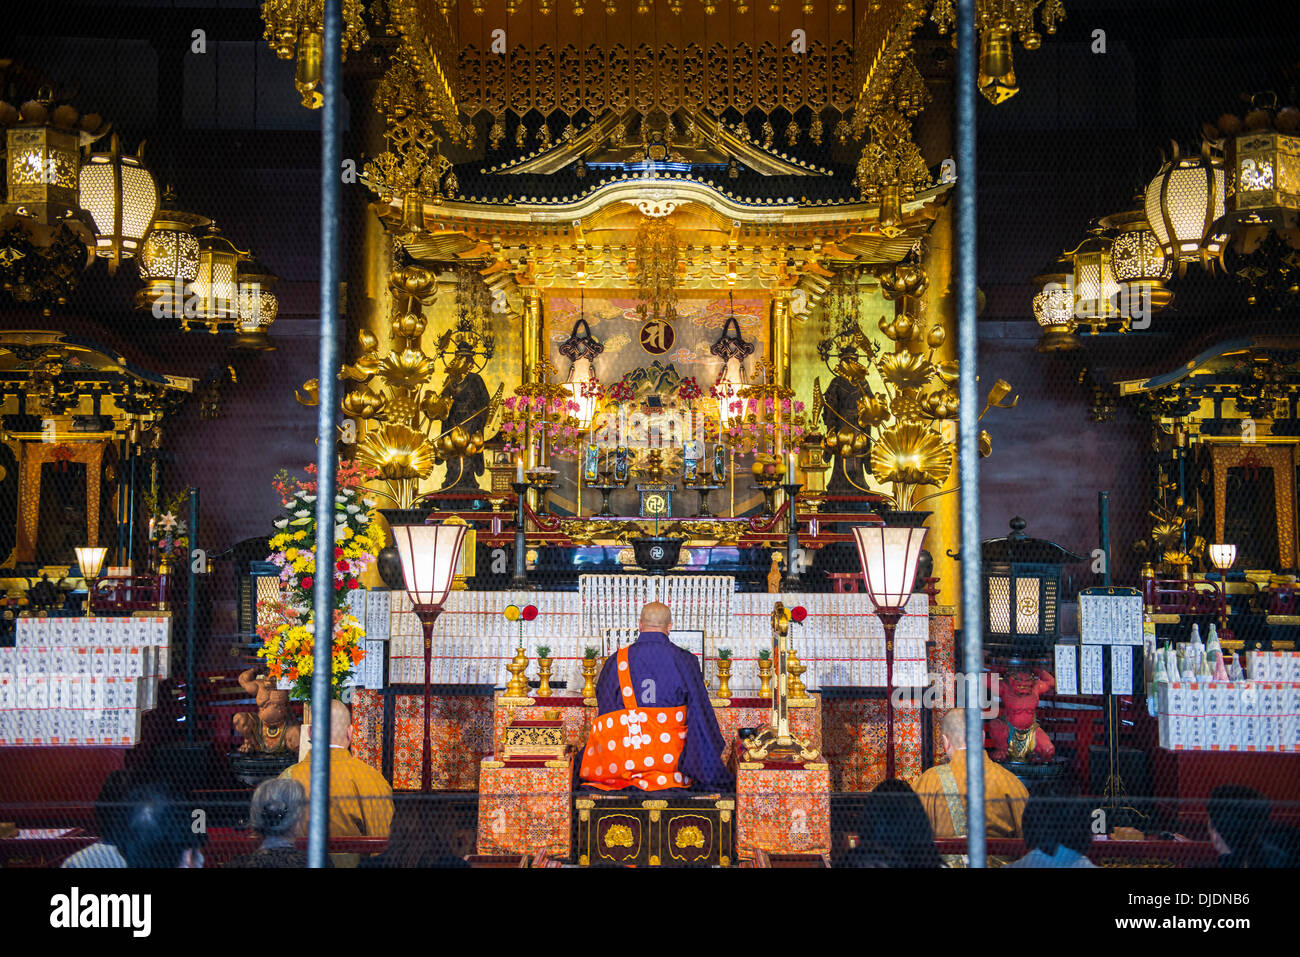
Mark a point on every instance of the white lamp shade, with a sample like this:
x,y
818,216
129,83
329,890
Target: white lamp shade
x,y
1182,203
889,555
430,556
1222,556
90,559
121,197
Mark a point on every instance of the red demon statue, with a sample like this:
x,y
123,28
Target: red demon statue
x,y
1014,733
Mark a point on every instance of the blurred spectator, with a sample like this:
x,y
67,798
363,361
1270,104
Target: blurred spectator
x,y
160,829
1057,833
1240,829
425,833
275,816
894,820
110,819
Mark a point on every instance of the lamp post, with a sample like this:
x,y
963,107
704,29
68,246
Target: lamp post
x,y
1222,558
889,556
429,553
90,559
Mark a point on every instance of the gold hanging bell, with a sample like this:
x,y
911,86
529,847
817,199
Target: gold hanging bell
x,y
309,73
997,78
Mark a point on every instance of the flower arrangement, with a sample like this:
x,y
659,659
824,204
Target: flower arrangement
x,y
169,537
543,414
622,391
689,390
286,624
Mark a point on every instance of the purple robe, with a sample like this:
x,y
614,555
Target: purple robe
x,y
677,681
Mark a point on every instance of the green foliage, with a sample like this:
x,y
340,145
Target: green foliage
x,y
764,654
589,652
724,654
543,651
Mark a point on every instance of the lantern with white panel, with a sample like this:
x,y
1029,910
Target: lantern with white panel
x,y
430,555
121,197
889,556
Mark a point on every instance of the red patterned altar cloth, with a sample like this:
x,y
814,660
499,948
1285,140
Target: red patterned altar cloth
x,y
525,807
782,808
460,728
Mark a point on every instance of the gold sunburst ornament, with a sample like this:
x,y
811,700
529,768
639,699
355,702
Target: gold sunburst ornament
x,y
909,456
397,452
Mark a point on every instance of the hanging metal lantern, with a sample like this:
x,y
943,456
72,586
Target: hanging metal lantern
x,y
1183,202
1054,308
1136,256
258,305
121,197
169,259
1095,288
216,288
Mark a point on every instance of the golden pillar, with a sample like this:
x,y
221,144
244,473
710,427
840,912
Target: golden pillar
x,y
779,337
532,340
940,309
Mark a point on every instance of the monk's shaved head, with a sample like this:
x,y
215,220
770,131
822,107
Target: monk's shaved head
x,y
656,617
954,728
340,724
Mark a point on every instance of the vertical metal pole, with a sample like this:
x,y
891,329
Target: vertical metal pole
x,y
323,591
1103,533
130,516
968,428
191,678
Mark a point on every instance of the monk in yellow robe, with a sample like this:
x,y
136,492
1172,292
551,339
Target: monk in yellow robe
x,y
361,800
942,789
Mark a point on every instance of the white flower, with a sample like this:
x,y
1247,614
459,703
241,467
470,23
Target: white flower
x,y
302,513
280,522
308,498
369,502
353,509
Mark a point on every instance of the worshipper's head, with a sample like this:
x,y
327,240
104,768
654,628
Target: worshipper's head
x,y
655,616
894,819
1239,824
160,830
111,807
340,725
952,733
1050,823
277,808
425,833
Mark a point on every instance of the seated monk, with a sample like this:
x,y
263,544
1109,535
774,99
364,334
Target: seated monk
x,y
943,788
656,729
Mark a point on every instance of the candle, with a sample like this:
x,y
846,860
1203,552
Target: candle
x,y
793,459
519,468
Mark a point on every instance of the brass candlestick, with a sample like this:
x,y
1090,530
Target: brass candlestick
x,y
795,669
589,666
543,677
776,742
517,687
724,677
765,677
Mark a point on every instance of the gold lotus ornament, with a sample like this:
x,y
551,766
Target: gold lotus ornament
x,y
409,326
396,452
910,455
363,404
872,412
408,369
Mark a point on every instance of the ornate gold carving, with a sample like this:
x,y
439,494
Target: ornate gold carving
x,y
724,860
584,860
654,860
584,804
726,804
618,835
689,836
